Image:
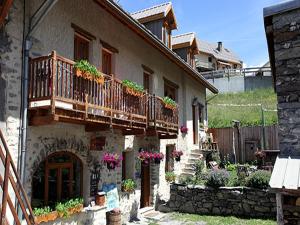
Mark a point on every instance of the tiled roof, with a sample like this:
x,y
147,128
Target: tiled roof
x,y
154,10
183,38
286,173
224,55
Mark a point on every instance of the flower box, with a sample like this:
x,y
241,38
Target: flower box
x,y
47,217
131,91
132,88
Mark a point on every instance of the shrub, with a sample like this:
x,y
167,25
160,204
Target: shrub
x,y
199,166
128,185
231,167
217,178
259,179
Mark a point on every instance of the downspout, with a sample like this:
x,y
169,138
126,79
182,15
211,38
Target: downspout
x,y
35,20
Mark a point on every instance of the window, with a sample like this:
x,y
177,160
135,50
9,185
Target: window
x,y
167,37
106,61
200,112
58,178
128,165
81,47
169,164
147,82
209,59
170,89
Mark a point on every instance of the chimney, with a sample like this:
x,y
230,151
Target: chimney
x,y
220,46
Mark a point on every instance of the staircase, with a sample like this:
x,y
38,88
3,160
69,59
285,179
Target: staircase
x,y
12,191
188,169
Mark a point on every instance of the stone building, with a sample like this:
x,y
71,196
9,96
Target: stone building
x,y
59,125
282,25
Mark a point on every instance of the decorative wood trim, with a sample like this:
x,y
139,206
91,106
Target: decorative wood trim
x,y
83,32
170,83
152,18
108,47
147,69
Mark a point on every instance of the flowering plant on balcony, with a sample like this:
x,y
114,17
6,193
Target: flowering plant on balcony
x,y
112,160
84,69
177,155
145,157
157,157
169,103
184,129
133,88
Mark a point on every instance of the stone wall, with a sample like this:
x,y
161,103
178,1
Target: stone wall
x,y
237,201
286,31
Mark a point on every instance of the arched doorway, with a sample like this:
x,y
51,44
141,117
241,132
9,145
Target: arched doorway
x,y
57,179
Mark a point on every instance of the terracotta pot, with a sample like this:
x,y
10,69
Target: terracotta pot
x,y
171,107
45,218
78,72
100,199
99,80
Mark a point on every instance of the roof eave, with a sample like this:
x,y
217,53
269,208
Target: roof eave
x,y
133,24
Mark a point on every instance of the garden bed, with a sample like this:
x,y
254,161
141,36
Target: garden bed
x,y
234,201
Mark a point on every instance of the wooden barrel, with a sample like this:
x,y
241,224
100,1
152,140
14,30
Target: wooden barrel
x,y
113,218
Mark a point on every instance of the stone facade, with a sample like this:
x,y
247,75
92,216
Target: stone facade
x,y
237,201
55,33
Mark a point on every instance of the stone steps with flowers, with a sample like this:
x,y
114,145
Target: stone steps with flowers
x,y
194,156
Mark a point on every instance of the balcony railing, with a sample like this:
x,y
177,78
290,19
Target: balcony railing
x,y
56,93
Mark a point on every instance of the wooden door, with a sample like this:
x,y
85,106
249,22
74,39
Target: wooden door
x,y
145,186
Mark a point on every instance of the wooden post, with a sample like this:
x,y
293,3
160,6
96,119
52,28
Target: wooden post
x,y
53,56
280,220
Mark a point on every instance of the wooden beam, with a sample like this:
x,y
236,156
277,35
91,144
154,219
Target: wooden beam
x,y
83,32
280,217
96,127
42,120
109,47
133,132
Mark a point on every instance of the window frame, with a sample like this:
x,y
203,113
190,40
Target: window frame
x,y
77,39
109,53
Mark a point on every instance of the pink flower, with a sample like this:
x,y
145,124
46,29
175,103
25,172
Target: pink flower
x,y
112,158
177,153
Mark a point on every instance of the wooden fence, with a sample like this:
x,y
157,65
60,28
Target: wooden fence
x,y
245,141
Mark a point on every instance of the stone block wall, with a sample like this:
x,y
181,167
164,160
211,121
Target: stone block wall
x,y
237,201
286,31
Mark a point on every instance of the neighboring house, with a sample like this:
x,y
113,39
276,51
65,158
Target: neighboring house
x,y
185,45
214,56
72,121
282,31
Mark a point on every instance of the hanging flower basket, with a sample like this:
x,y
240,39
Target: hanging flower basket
x,y
158,157
184,129
145,157
177,155
112,160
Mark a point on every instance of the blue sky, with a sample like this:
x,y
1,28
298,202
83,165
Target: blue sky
x,y
238,23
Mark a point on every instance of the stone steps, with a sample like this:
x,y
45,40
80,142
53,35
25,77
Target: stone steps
x,y
188,170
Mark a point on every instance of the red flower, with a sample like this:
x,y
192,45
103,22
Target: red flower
x,y
177,153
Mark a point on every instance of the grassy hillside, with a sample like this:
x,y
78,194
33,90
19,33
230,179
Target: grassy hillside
x,y
221,116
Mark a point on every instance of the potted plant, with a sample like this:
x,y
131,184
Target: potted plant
x,y
87,71
133,88
170,177
169,103
61,210
74,205
100,198
177,155
44,214
157,157
184,129
145,157
112,160
128,185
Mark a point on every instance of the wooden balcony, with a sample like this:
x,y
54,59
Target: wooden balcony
x,y
57,94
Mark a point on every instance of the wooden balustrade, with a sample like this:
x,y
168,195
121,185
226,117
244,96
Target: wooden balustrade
x,y
53,84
